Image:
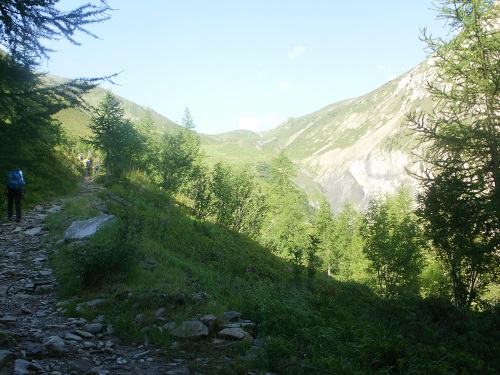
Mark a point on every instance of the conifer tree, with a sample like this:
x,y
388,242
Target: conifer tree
x,y
28,130
460,203
323,232
288,225
26,24
114,135
188,121
340,246
151,145
393,244
351,262
180,157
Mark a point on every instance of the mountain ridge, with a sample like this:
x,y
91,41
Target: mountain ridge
x,y
361,147
349,151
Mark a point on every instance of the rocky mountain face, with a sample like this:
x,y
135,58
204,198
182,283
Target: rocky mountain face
x,y
358,148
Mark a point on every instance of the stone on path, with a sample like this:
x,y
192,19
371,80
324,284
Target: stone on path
x,y
236,334
33,231
87,228
190,329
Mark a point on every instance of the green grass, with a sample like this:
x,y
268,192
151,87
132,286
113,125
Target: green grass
x,y
193,268
238,148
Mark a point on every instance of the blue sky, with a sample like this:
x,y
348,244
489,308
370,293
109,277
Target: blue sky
x,y
248,65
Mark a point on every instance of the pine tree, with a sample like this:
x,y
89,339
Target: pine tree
x,y
24,25
188,121
28,130
113,135
462,141
179,158
288,225
393,244
323,231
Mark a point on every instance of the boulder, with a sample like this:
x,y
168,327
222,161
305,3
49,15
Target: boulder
x,y
236,334
230,316
87,228
23,367
190,329
93,328
55,345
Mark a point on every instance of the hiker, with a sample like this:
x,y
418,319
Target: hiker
x,y
15,188
89,165
96,169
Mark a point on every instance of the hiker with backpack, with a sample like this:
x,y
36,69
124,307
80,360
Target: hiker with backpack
x,y
88,165
15,188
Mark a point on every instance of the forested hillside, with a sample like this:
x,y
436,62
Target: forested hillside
x,y
351,151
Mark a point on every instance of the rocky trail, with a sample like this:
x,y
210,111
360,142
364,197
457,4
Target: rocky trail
x,y
37,337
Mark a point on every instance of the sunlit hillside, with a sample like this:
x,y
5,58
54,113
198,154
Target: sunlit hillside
x,y
75,121
349,151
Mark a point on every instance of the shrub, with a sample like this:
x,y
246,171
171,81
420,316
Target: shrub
x,y
105,257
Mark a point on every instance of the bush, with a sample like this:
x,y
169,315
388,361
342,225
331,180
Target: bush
x,y
106,257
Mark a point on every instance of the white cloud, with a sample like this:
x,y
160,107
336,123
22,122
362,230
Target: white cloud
x,y
296,52
257,124
285,85
250,123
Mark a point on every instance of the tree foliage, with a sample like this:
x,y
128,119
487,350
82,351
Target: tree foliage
x,y
393,244
114,136
340,247
461,239
463,147
323,233
232,198
25,25
347,240
287,225
188,121
150,146
179,152
28,100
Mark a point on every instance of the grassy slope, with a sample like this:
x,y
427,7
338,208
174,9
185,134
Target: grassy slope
x,y
305,325
238,148
74,121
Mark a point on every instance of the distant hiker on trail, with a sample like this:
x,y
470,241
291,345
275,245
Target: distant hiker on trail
x,y
89,165
96,169
15,188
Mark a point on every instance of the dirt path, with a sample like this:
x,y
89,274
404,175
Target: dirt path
x,y
36,337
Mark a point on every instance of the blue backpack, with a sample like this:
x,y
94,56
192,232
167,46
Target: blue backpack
x,y
15,179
